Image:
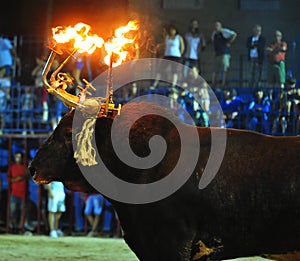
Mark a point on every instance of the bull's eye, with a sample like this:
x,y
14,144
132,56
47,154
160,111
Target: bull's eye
x,y
68,135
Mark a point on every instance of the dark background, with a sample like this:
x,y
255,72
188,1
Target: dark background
x,y
36,17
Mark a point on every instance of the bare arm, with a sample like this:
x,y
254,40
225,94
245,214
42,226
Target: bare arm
x,y
232,38
181,45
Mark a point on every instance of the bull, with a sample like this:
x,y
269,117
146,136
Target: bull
x,y
252,206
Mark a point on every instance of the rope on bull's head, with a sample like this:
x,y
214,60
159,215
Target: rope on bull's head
x,y
85,153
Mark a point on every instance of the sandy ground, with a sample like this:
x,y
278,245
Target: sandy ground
x,y
20,247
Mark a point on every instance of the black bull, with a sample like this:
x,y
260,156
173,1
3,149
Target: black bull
x,y
252,206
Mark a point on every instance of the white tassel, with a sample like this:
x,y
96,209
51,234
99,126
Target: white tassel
x,y
85,154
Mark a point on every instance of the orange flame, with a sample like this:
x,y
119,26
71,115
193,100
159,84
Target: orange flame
x,y
118,43
80,36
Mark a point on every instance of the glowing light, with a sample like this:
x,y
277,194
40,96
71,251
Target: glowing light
x,y
79,36
117,46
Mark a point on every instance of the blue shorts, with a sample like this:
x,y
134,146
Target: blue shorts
x,y
94,205
16,205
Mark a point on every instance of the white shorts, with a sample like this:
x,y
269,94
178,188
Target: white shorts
x,y
57,203
221,63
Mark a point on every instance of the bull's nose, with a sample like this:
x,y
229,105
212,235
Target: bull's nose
x,y
31,171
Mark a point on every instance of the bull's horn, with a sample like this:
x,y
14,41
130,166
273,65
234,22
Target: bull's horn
x,y
57,88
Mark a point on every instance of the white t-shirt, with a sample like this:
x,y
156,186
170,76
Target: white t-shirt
x,y
173,46
192,46
253,51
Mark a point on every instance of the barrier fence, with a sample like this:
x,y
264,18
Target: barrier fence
x,y
33,210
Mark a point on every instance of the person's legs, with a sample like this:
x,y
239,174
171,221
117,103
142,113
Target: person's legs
x,y
88,210
216,68
224,77
57,218
282,74
95,223
52,208
90,219
225,65
14,206
52,226
97,208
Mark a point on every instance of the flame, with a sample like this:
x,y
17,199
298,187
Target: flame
x,y
116,46
79,36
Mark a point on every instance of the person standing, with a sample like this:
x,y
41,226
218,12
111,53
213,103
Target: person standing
x,y
93,209
18,184
7,56
41,91
276,51
56,205
195,43
256,54
222,38
174,48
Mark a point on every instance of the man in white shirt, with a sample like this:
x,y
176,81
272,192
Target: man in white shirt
x,y
256,53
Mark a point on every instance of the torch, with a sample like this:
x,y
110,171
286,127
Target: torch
x,y
70,40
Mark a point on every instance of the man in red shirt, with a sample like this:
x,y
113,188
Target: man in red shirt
x,y
18,181
276,61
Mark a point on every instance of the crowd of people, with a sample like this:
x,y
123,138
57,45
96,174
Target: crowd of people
x,y
187,49
271,108
270,105
94,208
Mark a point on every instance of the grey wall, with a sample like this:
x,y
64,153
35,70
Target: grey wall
x,y
287,19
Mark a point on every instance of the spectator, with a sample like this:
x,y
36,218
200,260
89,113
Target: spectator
x,y
79,201
56,205
146,45
222,38
77,71
195,43
93,209
293,96
297,111
293,104
3,103
173,51
18,182
231,105
256,52
5,84
27,101
259,109
159,53
44,206
7,55
41,92
287,107
201,104
0,187
276,61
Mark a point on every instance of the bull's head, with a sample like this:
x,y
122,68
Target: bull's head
x,y
45,167
55,159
